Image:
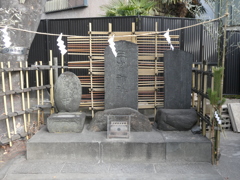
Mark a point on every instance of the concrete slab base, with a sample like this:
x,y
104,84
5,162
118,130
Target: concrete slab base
x,y
151,147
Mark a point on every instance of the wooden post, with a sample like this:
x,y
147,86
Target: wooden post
x,y
11,98
5,106
90,70
38,95
51,82
42,93
23,100
28,97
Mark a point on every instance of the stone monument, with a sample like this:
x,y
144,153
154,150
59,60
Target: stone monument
x,y
121,89
67,98
177,113
121,76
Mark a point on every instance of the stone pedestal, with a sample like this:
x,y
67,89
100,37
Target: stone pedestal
x,y
176,119
66,122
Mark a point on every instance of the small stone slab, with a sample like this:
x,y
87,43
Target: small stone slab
x,y
139,122
176,119
66,122
67,92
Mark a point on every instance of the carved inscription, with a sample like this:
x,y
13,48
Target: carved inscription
x,y
121,76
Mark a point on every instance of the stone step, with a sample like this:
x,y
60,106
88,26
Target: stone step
x,y
153,147
23,169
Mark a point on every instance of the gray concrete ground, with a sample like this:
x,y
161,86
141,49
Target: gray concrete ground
x,y
229,168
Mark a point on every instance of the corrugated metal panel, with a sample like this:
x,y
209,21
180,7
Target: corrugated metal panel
x,y
193,39
210,42
38,50
232,64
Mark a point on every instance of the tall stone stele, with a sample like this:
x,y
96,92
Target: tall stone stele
x,y
67,98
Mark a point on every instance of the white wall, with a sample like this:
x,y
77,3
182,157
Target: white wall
x,y
93,10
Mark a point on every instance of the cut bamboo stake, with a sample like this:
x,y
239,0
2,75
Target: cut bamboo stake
x,y
5,106
51,82
133,39
11,98
91,74
42,93
23,100
38,95
28,97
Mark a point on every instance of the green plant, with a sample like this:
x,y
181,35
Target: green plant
x,y
130,8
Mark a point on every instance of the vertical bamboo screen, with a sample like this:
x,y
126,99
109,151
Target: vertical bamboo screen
x,y
150,65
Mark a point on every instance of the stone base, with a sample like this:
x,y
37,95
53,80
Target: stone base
x,y
176,119
142,147
66,122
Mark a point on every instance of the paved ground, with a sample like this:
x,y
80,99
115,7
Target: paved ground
x,y
18,168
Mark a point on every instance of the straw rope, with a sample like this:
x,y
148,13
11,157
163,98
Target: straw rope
x,y
159,32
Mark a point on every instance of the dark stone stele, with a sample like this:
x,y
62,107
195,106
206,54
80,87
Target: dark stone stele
x,y
176,119
67,92
121,76
139,122
66,122
178,79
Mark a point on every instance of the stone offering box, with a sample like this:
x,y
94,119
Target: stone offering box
x,y
118,126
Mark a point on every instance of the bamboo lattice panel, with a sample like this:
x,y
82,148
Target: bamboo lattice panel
x,y
150,65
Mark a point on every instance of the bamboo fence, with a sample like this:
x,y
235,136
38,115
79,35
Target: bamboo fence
x,y
151,48
27,108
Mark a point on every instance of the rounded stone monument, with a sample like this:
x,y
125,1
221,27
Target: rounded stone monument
x,y
67,97
67,92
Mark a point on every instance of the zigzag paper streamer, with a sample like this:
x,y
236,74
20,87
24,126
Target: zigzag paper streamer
x,y
61,45
112,45
6,38
168,38
218,118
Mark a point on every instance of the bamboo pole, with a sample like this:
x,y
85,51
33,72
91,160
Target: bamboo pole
x,y
11,98
38,95
156,70
204,99
91,73
42,93
212,130
62,63
23,100
5,106
193,86
51,82
199,88
134,39
28,97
